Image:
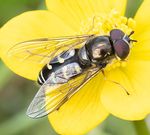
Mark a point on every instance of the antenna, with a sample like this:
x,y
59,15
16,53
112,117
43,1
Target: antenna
x,y
132,32
132,40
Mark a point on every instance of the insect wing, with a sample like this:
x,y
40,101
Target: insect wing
x,y
45,49
51,97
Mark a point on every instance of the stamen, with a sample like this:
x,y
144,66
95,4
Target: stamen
x,y
102,24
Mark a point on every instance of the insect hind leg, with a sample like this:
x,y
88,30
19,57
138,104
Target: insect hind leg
x,y
126,91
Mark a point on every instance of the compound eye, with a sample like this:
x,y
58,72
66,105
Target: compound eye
x,y
116,34
121,49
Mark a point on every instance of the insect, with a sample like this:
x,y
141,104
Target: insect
x,y
80,59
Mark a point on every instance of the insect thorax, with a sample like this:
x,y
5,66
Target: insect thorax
x,y
99,49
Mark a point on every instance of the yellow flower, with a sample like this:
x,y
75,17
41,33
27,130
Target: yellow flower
x,y
93,103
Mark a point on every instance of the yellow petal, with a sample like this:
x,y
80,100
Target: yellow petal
x,y
135,79
141,49
72,12
142,17
27,26
82,112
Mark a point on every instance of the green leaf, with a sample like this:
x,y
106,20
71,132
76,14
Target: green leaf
x,y
21,123
11,8
116,126
5,75
132,7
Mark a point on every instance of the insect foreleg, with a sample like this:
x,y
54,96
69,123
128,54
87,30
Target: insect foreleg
x,y
105,78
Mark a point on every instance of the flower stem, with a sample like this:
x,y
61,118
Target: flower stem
x,y
141,127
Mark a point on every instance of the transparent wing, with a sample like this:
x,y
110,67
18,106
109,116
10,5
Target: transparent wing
x,y
45,49
51,97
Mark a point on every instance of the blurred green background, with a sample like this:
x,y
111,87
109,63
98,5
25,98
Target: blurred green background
x,y
17,92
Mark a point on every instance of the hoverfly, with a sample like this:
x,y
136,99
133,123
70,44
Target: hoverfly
x,y
80,59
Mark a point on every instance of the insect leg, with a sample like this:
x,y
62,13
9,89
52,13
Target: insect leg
x,y
114,82
92,27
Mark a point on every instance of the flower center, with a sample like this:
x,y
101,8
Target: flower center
x,y
102,25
